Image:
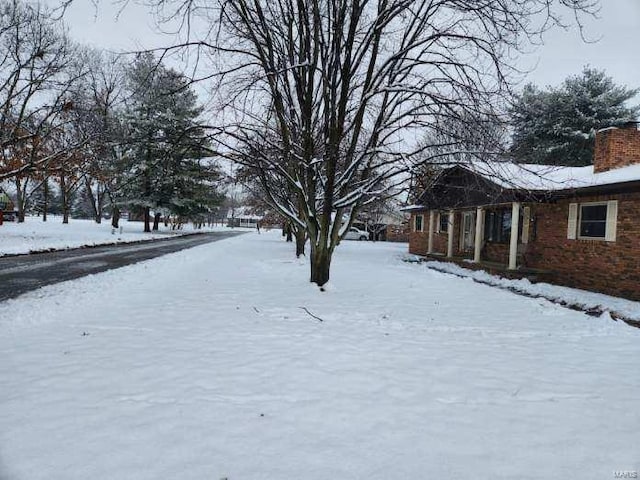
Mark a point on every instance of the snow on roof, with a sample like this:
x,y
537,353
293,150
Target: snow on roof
x,y
550,177
243,212
415,206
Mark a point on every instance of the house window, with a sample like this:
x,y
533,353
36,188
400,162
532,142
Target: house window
x,y
443,222
593,221
497,226
418,223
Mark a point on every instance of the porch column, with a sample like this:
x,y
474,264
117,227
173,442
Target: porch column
x,y
450,235
432,225
479,234
513,246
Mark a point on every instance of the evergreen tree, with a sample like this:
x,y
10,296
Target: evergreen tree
x,y
557,126
166,143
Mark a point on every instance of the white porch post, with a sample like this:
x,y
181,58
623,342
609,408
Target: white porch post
x,y
478,234
450,235
432,224
513,246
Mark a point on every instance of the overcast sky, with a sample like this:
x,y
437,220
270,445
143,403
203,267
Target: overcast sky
x,y
564,52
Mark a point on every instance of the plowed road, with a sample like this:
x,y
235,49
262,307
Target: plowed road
x,y
22,273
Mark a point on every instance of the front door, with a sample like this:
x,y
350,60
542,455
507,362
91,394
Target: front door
x,y
467,237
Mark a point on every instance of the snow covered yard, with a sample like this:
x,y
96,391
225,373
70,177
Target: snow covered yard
x,y
203,365
34,235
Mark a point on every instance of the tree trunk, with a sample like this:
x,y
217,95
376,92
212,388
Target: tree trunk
x,y
320,265
20,200
91,198
64,194
156,221
65,207
100,199
45,193
115,216
289,233
301,239
147,193
147,219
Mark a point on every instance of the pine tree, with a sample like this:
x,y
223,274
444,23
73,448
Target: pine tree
x,y
166,144
557,126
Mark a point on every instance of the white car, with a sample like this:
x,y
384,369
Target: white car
x,y
356,234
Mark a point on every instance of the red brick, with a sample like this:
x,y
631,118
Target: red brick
x,y
615,148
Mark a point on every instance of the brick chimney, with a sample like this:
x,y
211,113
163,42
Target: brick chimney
x,y
616,147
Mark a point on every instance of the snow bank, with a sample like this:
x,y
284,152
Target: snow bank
x,y
583,299
34,235
208,364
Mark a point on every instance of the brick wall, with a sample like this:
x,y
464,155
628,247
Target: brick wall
x,y
440,242
616,147
495,252
608,267
398,233
419,241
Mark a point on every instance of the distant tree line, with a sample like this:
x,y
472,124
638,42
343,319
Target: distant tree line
x,y
93,133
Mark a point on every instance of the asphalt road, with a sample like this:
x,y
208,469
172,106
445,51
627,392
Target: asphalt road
x,y
22,273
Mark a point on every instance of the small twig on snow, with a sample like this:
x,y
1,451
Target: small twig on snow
x,y
311,314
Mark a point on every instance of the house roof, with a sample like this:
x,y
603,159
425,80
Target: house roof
x,y
549,177
507,181
243,212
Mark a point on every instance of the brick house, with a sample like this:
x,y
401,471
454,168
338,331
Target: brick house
x,y
576,226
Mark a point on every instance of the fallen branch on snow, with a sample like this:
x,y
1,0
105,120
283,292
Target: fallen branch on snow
x,y
311,314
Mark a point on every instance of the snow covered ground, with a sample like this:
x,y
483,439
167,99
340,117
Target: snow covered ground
x,y
34,235
582,299
208,364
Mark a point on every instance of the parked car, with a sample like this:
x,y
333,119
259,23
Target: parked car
x,y
10,216
356,234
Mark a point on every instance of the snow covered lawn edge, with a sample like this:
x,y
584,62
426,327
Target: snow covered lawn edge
x,y
36,236
591,303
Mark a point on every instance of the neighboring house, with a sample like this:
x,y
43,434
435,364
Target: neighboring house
x,y
385,221
395,227
385,228
397,233
242,217
577,226
7,212
5,201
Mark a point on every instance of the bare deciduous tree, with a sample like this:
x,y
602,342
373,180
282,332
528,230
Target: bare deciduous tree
x,y
98,103
341,88
34,54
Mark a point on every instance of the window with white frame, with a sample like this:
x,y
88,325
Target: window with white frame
x,y
419,220
593,220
